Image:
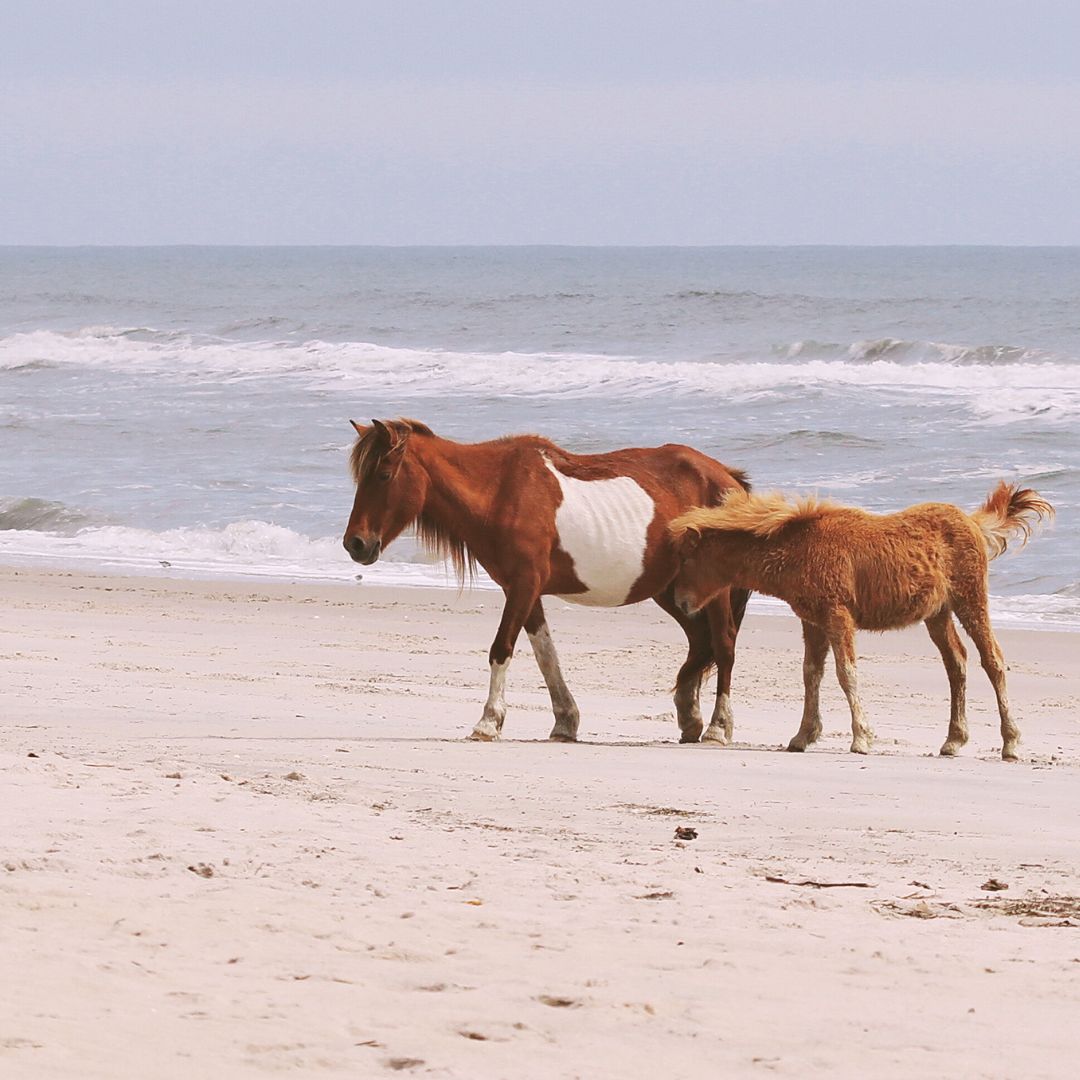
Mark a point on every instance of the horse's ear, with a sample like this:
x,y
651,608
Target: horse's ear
x,y
384,437
390,442
361,431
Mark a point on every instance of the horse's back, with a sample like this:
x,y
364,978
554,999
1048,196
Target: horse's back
x,y
673,474
614,510
903,565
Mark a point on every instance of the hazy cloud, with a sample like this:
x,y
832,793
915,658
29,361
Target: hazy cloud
x,y
591,123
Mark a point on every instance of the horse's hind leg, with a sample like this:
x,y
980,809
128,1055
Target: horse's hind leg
x,y
954,655
563,705
815,650
842,639
974,616
699,659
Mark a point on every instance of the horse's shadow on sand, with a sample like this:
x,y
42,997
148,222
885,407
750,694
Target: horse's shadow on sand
x,y
612,744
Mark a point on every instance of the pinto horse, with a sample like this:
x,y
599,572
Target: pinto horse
x,y
590,528
841,568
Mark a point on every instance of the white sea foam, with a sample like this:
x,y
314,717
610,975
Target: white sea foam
x,y
241,549
995,392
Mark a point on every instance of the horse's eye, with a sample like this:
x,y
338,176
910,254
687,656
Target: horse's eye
x,y
384,475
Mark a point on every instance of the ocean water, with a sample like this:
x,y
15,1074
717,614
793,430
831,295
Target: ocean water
x,y
184,411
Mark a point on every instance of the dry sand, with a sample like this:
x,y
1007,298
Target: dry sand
x,y
242,835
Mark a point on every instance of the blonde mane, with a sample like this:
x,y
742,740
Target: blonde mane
x,y
763,514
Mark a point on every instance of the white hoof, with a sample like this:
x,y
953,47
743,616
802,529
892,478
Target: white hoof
x,y
485,731
716,734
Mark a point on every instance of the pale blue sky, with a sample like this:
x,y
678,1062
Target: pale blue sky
x,y
767,122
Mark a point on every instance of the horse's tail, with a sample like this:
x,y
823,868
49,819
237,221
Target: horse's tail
x,y
1009,511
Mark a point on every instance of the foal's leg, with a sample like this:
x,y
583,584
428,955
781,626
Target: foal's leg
x,y
815,650
699,659
519,603
954,655
842,638
722,630
975,619
562,701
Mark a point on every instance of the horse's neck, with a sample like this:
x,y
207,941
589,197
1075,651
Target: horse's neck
x,y
460,490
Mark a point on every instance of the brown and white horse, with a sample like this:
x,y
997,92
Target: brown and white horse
x,y
590,528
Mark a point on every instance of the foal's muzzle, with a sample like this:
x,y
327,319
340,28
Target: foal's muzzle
x,y
685,604
364,552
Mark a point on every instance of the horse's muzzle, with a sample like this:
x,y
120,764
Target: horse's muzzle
x,y
364,552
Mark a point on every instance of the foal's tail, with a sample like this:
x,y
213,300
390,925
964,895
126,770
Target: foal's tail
x,y
1009,511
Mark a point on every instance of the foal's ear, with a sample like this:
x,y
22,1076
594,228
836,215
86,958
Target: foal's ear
x,y
689,541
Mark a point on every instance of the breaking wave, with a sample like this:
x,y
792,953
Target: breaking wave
x,y
40,515
1004,383
39,533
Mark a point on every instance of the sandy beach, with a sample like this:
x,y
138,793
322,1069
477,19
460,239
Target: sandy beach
x,y
244,836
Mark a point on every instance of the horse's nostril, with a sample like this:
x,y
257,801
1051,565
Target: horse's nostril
x,y
362,551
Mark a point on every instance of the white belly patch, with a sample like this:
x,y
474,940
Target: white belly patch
x,y
602,526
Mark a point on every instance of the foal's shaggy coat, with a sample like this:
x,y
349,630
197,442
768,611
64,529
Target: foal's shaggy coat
x,y
843,569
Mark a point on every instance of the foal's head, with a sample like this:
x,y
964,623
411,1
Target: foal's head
x,y
390,487
708,562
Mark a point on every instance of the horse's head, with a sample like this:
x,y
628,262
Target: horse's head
x,y
708,563
390,488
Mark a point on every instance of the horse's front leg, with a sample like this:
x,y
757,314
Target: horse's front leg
x,y
815,650
563,705
519,602
842,639
722,631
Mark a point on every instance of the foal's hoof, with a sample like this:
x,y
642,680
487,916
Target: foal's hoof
x,y
562,736
1008,752
950,749
860,746
795,747
483,733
